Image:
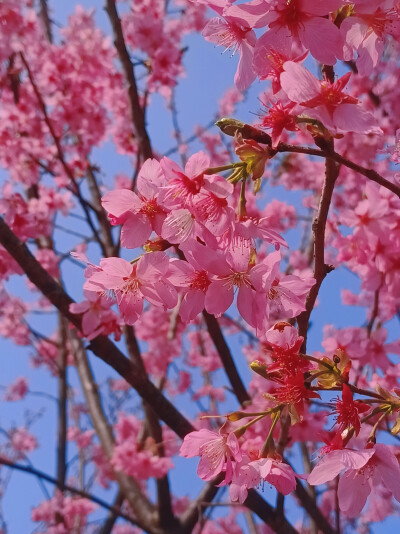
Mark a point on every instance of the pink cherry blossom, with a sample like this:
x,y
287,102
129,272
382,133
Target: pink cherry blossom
x,y
365,32
236,37
301,20
97,316
139,215
132,283
276,473
364,470
216,453
326,101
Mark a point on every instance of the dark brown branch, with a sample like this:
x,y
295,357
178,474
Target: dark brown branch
x,y
137,114
109,523
226,358
166,517
313,511
74,491
44,14
268,514
62,403
191,515
319,226
111,355
140,505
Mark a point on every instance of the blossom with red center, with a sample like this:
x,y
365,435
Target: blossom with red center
x,y
326,101
348,411
183,186
217,453
283,343
194,283
365,32
281,294
304,21
278,117
138,214
236,37
293,393
146,279
270,54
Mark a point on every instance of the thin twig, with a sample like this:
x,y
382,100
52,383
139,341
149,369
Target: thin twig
x,y
137,114
249,132
66,487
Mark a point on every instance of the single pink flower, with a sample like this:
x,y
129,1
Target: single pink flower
x,y
366,30
325,101
194,283
131,283
234,36
271,53
364,470
216,453
277,473
245,477
139,214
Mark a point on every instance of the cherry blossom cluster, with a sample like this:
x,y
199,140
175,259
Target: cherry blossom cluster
x,y
193,210
195,277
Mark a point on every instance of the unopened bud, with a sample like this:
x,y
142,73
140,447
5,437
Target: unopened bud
x,y
156,244
236,416
260,368
229,126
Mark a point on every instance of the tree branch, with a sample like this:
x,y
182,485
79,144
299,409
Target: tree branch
x,y
110,354
74,491
319,226
62,403
249,132
226,358
44,14
137,114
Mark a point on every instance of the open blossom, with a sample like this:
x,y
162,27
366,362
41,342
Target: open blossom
x,y
236,37
276,473
293,393
194,283
364,470
365,32
216,453
282,343
304,21
138,214
227,273
270,54
183,186
284,295
348,411
145,279
97,316
326,101
278,116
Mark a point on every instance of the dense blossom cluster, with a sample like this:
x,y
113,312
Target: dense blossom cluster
x,y
195,264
